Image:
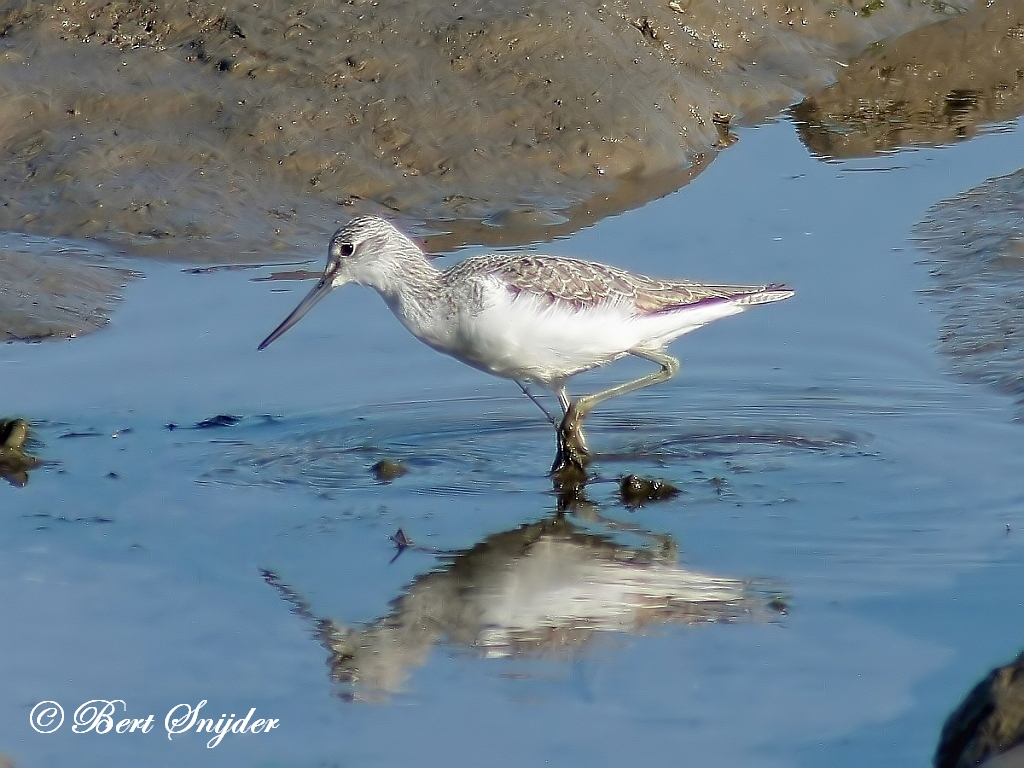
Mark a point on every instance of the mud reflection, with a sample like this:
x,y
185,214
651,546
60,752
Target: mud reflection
x,y
15,462
52,288
933,85
976,249
987,729
537,590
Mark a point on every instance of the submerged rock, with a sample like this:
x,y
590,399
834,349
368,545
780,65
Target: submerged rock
x,y
989,723
386,470
637,491
15,463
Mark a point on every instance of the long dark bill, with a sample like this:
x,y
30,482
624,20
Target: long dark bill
x,y
321,289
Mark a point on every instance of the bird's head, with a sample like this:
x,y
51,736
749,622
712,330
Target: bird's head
x,y
366,251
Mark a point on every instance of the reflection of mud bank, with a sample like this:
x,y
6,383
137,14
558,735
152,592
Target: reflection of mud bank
x,y
53,289
251,126
539,589
976,242
930,86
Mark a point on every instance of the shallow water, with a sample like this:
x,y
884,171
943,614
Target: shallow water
x,y
842,564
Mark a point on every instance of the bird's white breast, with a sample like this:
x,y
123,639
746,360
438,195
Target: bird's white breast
x,y
526,336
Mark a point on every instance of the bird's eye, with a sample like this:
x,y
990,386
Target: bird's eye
x,y
347,249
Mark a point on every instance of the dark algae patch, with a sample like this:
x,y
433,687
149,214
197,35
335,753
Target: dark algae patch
x,y
636,491
215,422
15,462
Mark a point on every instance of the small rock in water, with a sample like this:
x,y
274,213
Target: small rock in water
x,y
386,470
637,491
15,463
989,723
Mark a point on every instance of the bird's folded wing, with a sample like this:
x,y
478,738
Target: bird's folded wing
x,y
584,283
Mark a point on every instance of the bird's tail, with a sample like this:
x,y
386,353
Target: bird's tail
x,y
765,295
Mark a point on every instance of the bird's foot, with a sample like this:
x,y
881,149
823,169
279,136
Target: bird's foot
x,y
573,456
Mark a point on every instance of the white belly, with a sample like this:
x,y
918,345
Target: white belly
x,y
527,337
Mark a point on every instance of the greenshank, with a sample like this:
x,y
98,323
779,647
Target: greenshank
x,y
529,318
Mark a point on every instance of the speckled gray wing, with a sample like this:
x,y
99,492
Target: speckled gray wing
x,y
585,283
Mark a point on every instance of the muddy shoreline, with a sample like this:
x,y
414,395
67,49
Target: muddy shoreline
x,y
199,130
228,134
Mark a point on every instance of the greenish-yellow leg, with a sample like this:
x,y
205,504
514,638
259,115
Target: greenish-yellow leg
x,y
572,443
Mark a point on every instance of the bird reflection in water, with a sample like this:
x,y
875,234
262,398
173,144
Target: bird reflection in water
x,y
538,590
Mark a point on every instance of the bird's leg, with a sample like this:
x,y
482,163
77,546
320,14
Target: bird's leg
x,y
537,402
572,455
572,445
669,368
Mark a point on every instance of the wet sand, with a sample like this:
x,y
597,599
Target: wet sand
x,y
243,129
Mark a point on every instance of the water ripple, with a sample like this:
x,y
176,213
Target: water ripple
x,y
473,446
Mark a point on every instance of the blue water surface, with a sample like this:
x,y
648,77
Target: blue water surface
x,y
858,502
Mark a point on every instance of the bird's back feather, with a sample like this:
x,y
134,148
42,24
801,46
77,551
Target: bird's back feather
x,y
584,283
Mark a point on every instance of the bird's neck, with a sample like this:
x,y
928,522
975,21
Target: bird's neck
x,y
411,286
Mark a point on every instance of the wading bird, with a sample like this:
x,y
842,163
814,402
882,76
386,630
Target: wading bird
x,y
532,319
